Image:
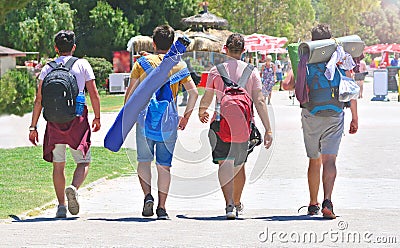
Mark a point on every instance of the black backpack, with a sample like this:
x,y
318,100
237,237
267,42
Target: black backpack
x,y
59,92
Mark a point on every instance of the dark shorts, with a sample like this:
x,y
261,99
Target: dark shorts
x,y
227,151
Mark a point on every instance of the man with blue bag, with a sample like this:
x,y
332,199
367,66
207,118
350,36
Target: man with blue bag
x,y
157,124
317,89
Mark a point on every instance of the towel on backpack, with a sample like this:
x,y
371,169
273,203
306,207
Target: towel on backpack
x,y
301,87
340,57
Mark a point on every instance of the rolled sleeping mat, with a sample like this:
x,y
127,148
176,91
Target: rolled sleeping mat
x,y
128,115
294,56
321,50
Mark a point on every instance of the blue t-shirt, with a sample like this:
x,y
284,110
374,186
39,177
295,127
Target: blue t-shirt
x,y
394,62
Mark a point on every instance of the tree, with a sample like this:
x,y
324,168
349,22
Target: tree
x,y
389,30
302,17
7,6
33,28
349,12
110,30
272,17
148,14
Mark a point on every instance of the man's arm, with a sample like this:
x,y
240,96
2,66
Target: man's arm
x,y
134,82
37,109
204,104
193,95
354,117
261,107
95,100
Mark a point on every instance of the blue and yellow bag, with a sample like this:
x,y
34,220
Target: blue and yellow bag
x,y
160,119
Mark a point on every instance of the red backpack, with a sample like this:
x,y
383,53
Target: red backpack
x,y
236,108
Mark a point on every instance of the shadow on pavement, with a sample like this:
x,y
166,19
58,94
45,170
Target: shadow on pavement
x,y
205,218
128,219
291,218
40,219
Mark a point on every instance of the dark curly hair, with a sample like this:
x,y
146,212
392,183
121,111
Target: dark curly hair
x,y
235,42
64,40
320,32
163,37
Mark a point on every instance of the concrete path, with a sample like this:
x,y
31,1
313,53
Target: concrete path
x,y
365,197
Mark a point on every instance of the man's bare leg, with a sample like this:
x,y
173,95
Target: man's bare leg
x,y
314,174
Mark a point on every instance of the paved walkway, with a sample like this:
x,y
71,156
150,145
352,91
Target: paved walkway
x,y
365,195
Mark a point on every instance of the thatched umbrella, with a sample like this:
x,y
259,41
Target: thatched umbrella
x,y
204,20
212,41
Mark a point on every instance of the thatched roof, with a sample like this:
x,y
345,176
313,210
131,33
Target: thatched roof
x,y
206,20
140,43
212,40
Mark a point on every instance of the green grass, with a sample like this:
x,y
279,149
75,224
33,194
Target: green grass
x,y
26,179
108,103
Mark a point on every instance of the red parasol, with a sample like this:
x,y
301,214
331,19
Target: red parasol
x,y
262,42
379,48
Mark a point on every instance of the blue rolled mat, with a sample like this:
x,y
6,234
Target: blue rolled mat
x,y
128,115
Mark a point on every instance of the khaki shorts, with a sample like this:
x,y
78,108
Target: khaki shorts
x,y
59,154
322,135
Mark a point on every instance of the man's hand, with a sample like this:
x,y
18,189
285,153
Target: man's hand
x,y
34,137
182,122
353,126
267,140
204,116
96,124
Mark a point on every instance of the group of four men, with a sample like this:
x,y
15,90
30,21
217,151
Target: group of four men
x,y
322,135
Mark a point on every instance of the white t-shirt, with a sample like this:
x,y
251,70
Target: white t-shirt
x,y
81,69
278,65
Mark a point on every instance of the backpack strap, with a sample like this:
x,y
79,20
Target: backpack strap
x,y
178,76
145,64
70,63
224,75
173,79
242,80
245,75
53,64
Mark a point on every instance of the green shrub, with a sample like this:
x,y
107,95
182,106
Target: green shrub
x,y
101,68
17,92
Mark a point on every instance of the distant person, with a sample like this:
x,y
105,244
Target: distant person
x,y
268,78
163,38
395,60
279,72
231,156
204,5
322,120
360,71
74,133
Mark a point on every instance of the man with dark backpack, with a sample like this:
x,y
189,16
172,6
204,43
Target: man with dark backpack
x,y
236,85
61,96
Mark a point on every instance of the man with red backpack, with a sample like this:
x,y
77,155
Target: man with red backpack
x,y
236,85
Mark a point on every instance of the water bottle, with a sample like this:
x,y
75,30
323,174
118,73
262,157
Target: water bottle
x,y
80,104
218,111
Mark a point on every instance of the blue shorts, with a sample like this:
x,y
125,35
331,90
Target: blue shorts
x,y
145,148
279,76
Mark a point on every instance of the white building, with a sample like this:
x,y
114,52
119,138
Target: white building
x,y
8,58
